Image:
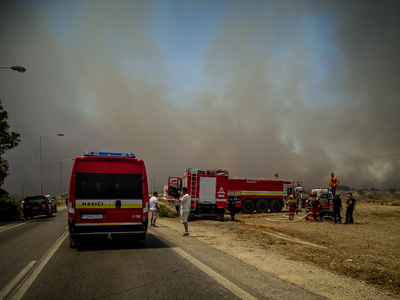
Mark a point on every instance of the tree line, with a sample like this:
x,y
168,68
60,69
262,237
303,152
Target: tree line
x,y
10,207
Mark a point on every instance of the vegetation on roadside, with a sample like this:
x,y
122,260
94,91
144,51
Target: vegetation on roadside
x,y
10,208
164,211
8,140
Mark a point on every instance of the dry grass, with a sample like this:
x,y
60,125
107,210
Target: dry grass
x,y
368,251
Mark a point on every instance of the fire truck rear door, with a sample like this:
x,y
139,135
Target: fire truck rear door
x,y
126,201
92,188
207,190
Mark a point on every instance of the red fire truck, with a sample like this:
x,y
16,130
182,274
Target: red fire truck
x,y
260,194
108,197
212,189
208,190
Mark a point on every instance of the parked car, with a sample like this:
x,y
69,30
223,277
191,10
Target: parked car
x,y
36,206
53,203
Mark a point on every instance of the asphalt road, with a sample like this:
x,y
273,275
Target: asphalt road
x,y
37,263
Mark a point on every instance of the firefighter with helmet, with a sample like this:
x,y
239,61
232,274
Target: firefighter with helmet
x,y
314,212
292,207
298,203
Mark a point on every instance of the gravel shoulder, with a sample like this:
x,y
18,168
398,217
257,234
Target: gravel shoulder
x,y
359,261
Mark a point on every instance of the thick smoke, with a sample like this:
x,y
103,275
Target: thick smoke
x,y
295,88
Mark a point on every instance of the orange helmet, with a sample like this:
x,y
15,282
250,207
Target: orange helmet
x,y
291,196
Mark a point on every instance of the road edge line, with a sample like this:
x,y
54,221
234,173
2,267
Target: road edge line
x,y
24,286
16,279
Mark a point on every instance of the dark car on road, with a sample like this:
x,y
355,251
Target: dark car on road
x,y
36,206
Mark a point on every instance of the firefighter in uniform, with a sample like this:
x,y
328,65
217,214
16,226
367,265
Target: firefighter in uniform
x,y
292,207
314,212
298,204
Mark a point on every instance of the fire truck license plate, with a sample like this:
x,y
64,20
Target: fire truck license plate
x,y
92,217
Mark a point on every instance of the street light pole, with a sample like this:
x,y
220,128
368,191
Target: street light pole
x,y
40,158
15,68
61,181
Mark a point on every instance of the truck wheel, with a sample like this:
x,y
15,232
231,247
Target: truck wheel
x,y
262,206
248,206
276,205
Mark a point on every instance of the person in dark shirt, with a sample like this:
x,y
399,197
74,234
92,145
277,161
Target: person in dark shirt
x,y
232,209
337,207
350,203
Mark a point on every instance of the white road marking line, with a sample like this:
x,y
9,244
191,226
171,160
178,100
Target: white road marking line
x,y
16,279
242,294
11,227
24,286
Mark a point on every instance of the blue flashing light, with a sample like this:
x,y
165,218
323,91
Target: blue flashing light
x,y
113,154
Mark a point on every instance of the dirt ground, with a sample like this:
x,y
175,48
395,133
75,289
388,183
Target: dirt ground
x,y
368,251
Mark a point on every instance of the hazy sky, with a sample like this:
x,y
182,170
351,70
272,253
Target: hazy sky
x,y
300,88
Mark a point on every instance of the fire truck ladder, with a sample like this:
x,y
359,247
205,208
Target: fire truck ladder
x,y
194,184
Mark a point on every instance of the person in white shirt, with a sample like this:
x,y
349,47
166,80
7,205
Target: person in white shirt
x,y
154,208
185,200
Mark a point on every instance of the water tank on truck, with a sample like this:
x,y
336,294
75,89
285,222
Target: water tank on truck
x,y
259,195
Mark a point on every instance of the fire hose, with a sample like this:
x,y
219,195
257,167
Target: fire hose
x,y
286,220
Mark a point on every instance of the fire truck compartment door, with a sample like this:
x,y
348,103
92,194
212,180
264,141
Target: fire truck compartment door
x,y
208,187
287,190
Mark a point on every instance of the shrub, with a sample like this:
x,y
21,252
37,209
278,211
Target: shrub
x,y
162,211
10,208
166,212
344,188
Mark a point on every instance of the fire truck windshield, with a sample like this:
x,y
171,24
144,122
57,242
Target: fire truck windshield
x,y
174,187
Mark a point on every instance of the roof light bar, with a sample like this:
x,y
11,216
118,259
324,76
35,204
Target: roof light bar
x,y
114,154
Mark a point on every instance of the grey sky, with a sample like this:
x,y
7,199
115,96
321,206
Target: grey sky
x,y
299,88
